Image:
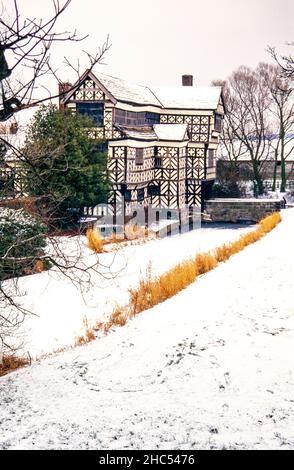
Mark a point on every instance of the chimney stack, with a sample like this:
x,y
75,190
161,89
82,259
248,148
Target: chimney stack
x,y
187,80
63,88
13,128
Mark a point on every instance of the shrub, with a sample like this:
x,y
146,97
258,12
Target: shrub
x,y
222,253
268,223
95,241
134,231
117,318
88,336
22,244
205,262
11,363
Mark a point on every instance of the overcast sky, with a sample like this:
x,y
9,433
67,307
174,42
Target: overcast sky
x,y
154,42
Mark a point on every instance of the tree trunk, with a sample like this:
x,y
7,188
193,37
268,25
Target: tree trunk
x,y
258,186
283,175
275,172
283,162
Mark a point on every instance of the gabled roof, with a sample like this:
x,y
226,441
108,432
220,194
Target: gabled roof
x,y
181,97
188,97
127,91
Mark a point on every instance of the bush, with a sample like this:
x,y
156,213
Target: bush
x,y
95,241
134,232
205,262
11,363
226,190
22,244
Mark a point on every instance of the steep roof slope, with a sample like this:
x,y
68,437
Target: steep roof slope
x,y
188,97
127,91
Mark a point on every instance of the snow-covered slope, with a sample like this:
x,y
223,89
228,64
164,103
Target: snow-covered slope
x,y
61,308
212,367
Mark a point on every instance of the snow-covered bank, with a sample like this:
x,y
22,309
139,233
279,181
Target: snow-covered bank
x,y
61,308
210,368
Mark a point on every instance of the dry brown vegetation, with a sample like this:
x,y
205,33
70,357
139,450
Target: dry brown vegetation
x,y
88,336
133,235
11,363
95,241
152,291
134,232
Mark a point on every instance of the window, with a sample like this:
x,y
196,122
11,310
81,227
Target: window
x,y
157,159
94,110
139,160
153,190
152,118
158,162
134,119
128,195
119,116
140,194
218,123
210,157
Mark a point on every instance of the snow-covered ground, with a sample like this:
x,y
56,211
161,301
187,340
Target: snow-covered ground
x,y
60,306
212,367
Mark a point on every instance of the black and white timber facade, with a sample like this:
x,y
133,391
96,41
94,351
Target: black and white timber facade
x,y
162,142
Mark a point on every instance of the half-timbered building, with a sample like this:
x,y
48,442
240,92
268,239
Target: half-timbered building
x,y
162,142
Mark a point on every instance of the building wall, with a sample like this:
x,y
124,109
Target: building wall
x,y
183,164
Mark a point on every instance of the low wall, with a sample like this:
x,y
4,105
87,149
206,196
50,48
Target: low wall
x,y
239,210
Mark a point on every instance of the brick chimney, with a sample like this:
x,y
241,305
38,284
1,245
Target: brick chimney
x,y
187,80
13,128
63,88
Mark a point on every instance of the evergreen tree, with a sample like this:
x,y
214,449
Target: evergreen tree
x,y
63,167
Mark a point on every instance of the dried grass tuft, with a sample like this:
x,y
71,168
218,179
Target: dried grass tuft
x,y
134,232
88,336
95,241
12,363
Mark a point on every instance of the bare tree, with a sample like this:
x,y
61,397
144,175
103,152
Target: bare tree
x,y
282,110
232,149
285,62
25,57
247,124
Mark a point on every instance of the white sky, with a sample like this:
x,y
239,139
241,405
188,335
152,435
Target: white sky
x,y
154,42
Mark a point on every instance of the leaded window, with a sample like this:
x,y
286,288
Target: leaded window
x,y
140,194
210,157
153,190
158,162
139,160
135,119
218,123
94,110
